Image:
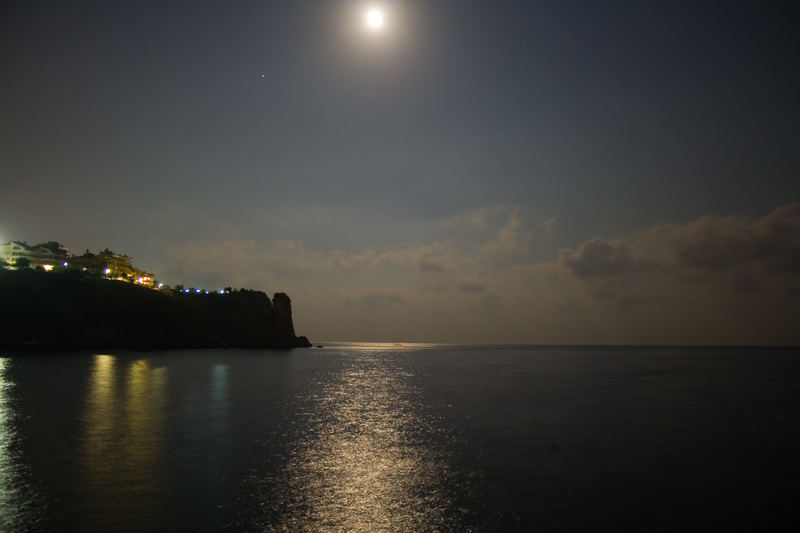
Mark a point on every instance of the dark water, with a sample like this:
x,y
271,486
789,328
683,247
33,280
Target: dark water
x,y
413,438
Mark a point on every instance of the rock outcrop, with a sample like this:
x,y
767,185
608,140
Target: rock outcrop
x,y
71,310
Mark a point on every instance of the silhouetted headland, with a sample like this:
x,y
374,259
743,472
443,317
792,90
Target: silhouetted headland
x,y
73,310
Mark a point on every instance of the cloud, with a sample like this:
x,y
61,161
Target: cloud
x,y
598,258
732,278
471,286
378,298
770,243
709,280
431,266
738,248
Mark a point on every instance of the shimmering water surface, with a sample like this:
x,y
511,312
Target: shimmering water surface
x,y
358,437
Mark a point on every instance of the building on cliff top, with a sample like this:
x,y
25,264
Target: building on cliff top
x,y
45,255
112,265
51,254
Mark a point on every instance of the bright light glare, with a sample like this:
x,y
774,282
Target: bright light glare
x,y
375,18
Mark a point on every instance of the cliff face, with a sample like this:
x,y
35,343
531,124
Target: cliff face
x,y
69,310
283,308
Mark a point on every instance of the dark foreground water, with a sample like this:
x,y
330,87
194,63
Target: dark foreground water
x,y
412,438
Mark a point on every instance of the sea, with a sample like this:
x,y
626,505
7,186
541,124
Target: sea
x,y
401,437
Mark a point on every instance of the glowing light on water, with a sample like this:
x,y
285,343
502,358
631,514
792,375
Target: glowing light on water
x,y
123,443
6,434
219,414
99,415
12,499
145,411
100,418
357,464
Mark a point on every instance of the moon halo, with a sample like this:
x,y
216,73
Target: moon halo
x,y
374,18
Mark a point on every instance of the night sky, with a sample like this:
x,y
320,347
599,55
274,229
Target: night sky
x,y
474,171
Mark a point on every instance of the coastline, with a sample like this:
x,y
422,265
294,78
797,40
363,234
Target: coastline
x,y
69,311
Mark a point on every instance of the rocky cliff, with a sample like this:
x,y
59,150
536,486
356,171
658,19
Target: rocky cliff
x,y
71,310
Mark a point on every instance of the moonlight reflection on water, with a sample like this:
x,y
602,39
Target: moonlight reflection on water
x,y
7,474
400,438
20,501
361,462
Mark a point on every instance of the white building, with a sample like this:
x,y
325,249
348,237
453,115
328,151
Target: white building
x,y
44,254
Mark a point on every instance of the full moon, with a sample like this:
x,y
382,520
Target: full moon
x,y
374,18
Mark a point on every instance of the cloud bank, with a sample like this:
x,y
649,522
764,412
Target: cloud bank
x,y
486,278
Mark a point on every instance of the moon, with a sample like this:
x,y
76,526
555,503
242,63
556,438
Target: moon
x,y
374,18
